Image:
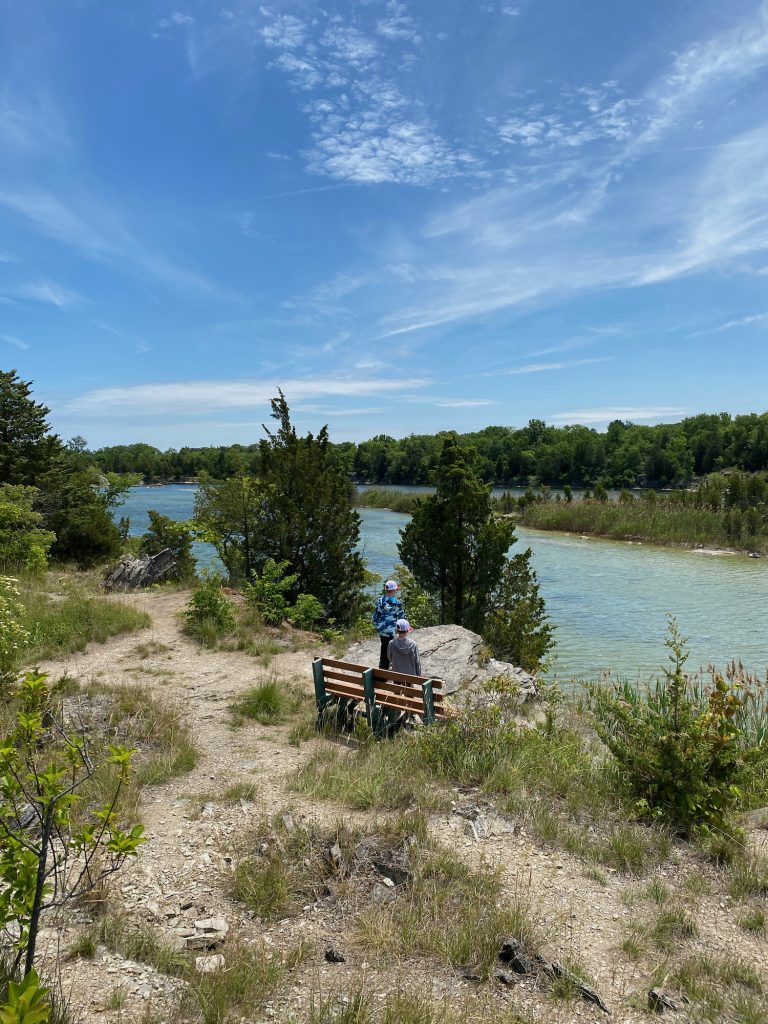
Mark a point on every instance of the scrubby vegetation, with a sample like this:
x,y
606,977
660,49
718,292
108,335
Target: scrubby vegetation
x,y
209,613
272,702
437,907
682,757
724,511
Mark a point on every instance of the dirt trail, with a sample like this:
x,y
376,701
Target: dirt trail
x,y
182,873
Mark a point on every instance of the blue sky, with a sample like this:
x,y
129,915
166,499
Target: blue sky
x,y
410,216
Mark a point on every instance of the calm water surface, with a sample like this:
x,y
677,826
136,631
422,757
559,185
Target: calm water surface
x,y
608,600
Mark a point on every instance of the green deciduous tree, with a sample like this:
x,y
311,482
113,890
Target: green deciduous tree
x,y
14,636
76,507
23,544
227,515
299,510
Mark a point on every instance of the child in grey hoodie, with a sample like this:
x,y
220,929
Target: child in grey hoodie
x,y
403,652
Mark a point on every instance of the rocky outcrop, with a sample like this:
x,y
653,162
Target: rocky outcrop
x,y
455,655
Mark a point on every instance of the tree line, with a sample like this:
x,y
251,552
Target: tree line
x,y
625,455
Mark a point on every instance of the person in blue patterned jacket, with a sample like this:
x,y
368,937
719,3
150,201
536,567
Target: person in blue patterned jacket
x,y
389,608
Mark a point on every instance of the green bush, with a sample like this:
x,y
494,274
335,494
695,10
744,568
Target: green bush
x,y
209,613
306,612
13,636
271,702
164,533
23,544
677,746
267,592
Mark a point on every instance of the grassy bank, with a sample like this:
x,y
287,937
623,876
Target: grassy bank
x,y
62,616
387,497
663,521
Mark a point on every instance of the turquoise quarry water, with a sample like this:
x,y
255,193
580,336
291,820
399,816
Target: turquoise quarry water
x,y
608,600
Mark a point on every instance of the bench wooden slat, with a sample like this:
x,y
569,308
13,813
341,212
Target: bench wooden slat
x,y
403,704
388,675
343,677
333,663
346,690
407,691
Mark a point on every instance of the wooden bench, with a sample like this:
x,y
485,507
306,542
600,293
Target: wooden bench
x,y
341,686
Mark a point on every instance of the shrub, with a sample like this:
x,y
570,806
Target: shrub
x,y
209,612
164,533
421,609
677,747
52,851
306,612
23,544
13,636
267,592
269,703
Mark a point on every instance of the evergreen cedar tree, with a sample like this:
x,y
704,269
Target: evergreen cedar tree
x,y
71,495
300,510
27,448
456,549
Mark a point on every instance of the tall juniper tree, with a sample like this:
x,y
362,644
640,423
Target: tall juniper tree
x,y
456,549
309,518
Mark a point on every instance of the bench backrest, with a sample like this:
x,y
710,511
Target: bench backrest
x,y
376,686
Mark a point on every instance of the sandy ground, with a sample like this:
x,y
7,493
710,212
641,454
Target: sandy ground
x,y
183,870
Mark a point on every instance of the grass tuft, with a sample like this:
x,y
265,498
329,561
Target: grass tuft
x,y
60,625
270,703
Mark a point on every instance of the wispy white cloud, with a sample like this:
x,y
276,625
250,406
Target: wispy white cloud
x,y
590,225
582,115
722,61
397,23
546,367
48,292
16,342
465,403
98,231
744,321
195,397
104,326
610,413
31,124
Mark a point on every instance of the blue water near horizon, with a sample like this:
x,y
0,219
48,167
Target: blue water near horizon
x,y
609,600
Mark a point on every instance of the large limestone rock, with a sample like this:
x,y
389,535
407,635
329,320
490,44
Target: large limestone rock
x,y
453,654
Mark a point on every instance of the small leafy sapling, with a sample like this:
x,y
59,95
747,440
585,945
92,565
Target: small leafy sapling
x,y
26,1003
53,847
267,592
13,635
